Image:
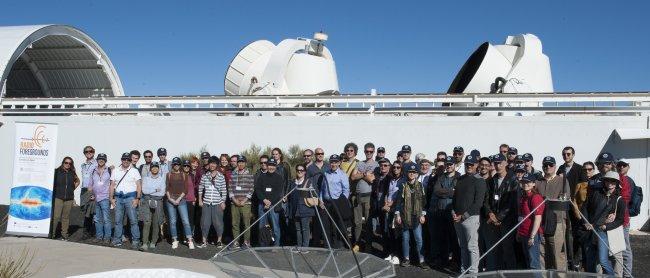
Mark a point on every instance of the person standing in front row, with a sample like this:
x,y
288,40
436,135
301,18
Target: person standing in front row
x,y
269,189
125,194
98,186
334,195
85,201
530,231
467,203
212,200
176,191
410,215
151,209
65,182
241,193
299,210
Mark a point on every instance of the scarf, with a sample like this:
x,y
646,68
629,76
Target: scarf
x,y
413,196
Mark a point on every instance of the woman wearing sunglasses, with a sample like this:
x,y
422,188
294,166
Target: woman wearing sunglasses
x,y
65,182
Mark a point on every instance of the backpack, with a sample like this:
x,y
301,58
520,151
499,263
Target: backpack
x,y
636,198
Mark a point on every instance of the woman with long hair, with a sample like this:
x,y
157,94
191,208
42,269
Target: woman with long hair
x,y
391,243
65,182
530,231
299,211
177,202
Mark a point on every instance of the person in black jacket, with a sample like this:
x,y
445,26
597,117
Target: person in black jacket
x,y
65,182
500,211
439,207
604,211
466,203
269,189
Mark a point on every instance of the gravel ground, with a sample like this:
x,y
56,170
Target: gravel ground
x,y
640,246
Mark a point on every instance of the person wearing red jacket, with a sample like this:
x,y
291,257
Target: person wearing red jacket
x,y
626,193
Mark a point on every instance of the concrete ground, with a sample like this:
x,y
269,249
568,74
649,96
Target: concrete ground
x,y
56,258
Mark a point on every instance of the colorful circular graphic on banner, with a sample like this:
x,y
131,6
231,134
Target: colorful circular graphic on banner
x,y
30,202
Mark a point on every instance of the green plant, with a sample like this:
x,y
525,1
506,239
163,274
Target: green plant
x,y
18,267
187,156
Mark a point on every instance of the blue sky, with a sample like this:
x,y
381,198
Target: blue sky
x,y
178,48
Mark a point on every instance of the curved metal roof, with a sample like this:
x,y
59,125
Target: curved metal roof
x,y
54,61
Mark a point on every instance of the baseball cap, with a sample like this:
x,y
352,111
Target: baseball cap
x,y
162,151
335,157
449,160
381,150
519,158
548,160
101,156
459,149
384,160
272,161
475,153
213,159
186,163
154,164
470,159
498,157
520,168
620,162
176,160
527,157
205,155
605,157
126,156
611,175
512,150
412,168
406,149
241,158
528,177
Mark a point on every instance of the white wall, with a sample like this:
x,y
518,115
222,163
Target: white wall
x,y
540,136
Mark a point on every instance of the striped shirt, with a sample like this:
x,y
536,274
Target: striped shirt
x,y
213,190
241,185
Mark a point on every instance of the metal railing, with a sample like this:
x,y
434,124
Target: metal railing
x,y
615,103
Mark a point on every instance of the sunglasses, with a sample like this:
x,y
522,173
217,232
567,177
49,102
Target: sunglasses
x,y
148,156
186,165
125,159
320,153
384,165
548,165
397,167
300,170
67,163
504,152
567,154
458,153
307,155
589,169
89,151
349,151
369,151
263,162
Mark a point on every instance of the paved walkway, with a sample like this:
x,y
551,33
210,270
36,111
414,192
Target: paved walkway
x,y
62,259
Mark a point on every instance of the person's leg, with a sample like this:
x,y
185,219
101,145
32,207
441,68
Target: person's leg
x,y
524,245
471,225
246,218
155,222
366,230
190,217
119,217
65,218
617,260
298,224
306,233
558,244
171,213
275,222
182,211
603,253
452,239
628,258
491,237
98,220
406,240
462,243
218,220
235,215
358,220
147,220
508,248
56,215
133,221
206,222
417,234
534,252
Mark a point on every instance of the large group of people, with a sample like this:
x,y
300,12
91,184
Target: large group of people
x,y
452,209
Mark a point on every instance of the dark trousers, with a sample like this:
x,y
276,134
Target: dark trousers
x,y
444,239
88,226
332,233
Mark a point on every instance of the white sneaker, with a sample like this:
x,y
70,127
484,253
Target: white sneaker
x,y
389,258
175,244
394,260
191,244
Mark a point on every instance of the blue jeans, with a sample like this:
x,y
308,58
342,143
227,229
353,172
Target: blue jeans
x,y
603,253
275,222
406,238
627,254
122,205
532,253
102,220
302,231
181,208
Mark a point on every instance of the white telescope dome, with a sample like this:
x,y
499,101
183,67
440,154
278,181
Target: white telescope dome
x,y
293,67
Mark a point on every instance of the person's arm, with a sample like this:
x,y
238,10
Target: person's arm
x,y
479,197
258,189
487,207
111,192
345,184
440,191
249,183
620,214
536,223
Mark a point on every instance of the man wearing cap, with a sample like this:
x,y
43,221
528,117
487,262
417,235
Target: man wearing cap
x,y
467,202
334,195
554,187
439,211
165,167
406,157
379,186
410,215
458,155
627,183
241,192
512,157
381,153
527,158
98,186
205,162
361,206
605,163
500,212
269,189
151,209
87,168
125,194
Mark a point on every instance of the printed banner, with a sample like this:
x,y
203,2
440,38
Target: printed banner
x,y
31,197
